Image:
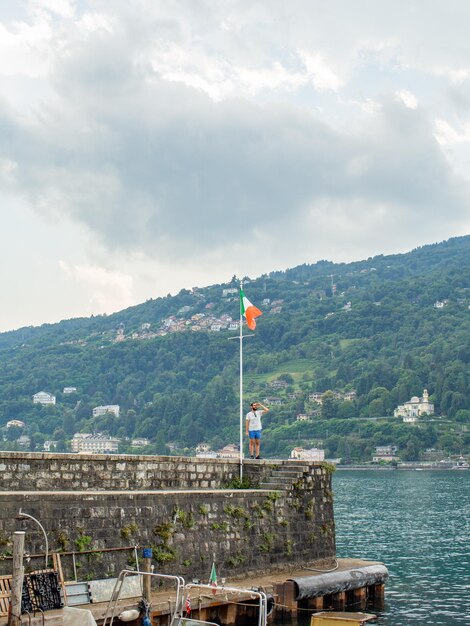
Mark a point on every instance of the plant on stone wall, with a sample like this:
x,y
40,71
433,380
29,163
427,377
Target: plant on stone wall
x,y
163,554
247,524
236,559
83,542
62,540
165,531
288,546
186,563
223,526
295,503
309,512
203,509
268,506
237,512
236,483
273,496
268,542
329,467
128,531
284,522
258,510
184,518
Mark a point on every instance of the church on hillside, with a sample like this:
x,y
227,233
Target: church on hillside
x,y
416,407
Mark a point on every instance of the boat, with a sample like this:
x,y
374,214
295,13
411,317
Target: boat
x,y
180,615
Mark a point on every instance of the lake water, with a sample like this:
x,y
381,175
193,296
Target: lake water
x,y
418,524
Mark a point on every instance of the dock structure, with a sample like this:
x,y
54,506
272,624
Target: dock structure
x,y
354,585
85,516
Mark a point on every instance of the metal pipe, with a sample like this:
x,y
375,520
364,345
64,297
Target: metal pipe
x,y
21,514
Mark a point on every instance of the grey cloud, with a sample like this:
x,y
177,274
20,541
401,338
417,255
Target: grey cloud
x,y
157,166
202,174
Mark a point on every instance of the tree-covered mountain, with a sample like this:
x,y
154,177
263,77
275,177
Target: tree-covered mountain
x,y
386,327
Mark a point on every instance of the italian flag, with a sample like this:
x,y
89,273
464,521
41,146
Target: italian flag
x,y
213,579
249,311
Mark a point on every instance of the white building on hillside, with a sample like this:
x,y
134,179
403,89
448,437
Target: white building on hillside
x,y
410,419
109,408
43,397
86,442
208,454
68,390
313,454
316,396
15,424
414,408
230,451
140,442
385,453
24,441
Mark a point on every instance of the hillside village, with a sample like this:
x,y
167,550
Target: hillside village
x,y
102,443
356,356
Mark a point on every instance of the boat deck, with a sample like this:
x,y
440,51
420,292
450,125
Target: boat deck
x,y
280,584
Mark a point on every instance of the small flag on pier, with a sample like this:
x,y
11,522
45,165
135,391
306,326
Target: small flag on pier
x,y
188,605
213,579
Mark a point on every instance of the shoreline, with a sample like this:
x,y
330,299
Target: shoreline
x,y
416,467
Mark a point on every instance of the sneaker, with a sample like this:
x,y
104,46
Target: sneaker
x,y
258,457
252,456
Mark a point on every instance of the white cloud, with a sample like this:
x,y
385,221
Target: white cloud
x,y
448,135
408,99
109,290
320,73
61,8
25,49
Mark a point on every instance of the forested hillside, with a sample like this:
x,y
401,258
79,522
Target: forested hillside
x,y
386,327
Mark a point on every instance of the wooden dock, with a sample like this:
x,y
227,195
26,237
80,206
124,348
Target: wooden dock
x,y
351,585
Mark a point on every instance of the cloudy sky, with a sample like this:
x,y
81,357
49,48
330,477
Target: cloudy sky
x,y
149,146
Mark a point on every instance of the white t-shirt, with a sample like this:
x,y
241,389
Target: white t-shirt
x,y
254,420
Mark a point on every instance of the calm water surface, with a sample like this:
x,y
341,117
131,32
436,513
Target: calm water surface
x,y
418,524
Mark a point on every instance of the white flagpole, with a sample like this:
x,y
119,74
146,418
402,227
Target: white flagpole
x,y
241,386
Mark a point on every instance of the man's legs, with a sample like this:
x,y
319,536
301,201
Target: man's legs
x,y
255,437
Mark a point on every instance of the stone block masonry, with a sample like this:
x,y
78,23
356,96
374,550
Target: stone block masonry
x,y
31,471
181,507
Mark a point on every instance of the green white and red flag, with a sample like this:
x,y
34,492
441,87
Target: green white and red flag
x,y
249,311
213,579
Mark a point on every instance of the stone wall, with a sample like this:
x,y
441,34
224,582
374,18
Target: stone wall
x,y
31,471
248,531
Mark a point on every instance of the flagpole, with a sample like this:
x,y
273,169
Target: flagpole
x,y
241,388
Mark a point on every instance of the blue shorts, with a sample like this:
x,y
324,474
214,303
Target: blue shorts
x,y
254,434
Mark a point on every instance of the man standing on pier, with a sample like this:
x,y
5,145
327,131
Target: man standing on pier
x,y
253,427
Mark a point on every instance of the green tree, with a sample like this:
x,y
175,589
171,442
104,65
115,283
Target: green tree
x,y
329,406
